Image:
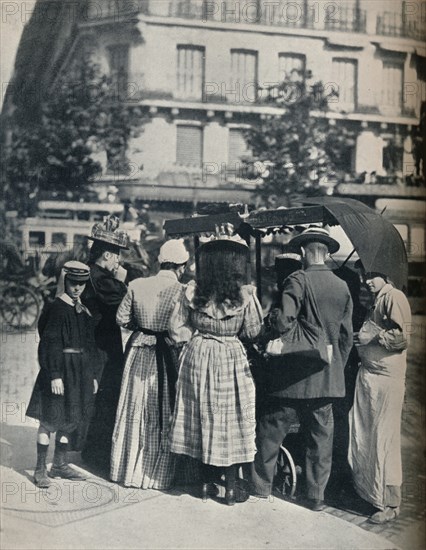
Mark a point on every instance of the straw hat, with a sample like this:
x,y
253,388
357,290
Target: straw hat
x,y
316,235
107,232
76,271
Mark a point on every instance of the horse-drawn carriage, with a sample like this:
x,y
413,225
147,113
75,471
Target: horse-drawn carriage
x,y
58,233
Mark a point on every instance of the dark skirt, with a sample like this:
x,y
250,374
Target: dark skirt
x,y
71,411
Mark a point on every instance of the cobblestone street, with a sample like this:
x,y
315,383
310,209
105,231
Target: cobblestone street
x,y
18,364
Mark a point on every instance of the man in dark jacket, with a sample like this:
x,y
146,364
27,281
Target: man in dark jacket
x,y
102,296
311,392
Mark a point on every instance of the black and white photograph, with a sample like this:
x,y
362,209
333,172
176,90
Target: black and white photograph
x,y
213,274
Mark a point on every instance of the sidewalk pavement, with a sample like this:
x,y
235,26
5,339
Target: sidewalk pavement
x,y
97,514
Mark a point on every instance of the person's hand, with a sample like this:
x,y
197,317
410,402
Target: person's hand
x,y
57,386
356,339
273,317
95,386
120,274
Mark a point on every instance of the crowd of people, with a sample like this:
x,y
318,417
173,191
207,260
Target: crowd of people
x,y
182,400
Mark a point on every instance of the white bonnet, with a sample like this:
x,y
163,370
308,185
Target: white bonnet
x,y
173,251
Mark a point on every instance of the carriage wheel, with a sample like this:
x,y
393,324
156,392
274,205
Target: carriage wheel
x,y
286,477
20,306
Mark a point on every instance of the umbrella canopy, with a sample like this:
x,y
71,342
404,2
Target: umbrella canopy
x,y
379,245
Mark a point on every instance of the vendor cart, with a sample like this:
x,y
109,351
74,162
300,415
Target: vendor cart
x,y
375,241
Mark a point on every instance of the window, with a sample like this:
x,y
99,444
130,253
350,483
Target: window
x,y
237,148
417,242
190,72
37,238
80,240
392,81
189,145
59,238
344,16
393,158
344,74
290,65
243,75
119,67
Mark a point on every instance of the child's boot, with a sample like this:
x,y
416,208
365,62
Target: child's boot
x,y
60,467
41,478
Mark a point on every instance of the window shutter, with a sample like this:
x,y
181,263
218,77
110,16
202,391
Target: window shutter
x,y
237,148
244,74
287,62
190,72
189,151
392,85
344,74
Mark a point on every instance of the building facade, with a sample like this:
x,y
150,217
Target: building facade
x,y
202,69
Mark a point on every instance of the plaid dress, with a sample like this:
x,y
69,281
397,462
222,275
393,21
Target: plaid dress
x,y
140,451
214,417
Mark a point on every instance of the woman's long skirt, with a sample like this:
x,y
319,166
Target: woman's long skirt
x,y
214,418
375,435
141,454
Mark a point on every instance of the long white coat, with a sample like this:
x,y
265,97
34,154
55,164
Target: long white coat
x,y
375,418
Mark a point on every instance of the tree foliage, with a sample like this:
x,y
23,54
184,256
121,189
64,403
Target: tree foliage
x,y
299,152
55,149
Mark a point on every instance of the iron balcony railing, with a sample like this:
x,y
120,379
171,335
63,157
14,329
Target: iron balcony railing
x,y
396,24
287,15
345,19
300,14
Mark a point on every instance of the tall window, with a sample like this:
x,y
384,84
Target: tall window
x,y
237,148
344,75
190,72
290,64
244,81
189,145
392,81
119,67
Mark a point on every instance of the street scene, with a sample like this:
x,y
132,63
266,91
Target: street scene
x,y
212,274
102,514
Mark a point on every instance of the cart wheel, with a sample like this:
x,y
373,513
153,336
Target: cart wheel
x,y
286,477
20,306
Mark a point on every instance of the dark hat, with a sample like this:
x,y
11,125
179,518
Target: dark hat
x,y
107,232
76,271
316,235
289,254
224,245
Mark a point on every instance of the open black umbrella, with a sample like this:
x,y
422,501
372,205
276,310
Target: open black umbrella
x,y
379,245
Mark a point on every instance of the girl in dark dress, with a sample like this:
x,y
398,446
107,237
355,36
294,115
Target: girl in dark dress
x,y
66,385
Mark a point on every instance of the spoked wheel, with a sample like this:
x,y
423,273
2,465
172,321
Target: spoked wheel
x,y
286,477
20,306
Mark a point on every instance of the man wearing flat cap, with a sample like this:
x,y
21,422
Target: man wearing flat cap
x,y
141,454
310,391
102,296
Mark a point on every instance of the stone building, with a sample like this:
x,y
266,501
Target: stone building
x,y
201,68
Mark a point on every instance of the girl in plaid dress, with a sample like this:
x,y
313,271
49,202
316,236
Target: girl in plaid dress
x,y
215,395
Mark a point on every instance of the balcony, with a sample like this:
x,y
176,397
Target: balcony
x,y
291,15
346,20
395,24
112,9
